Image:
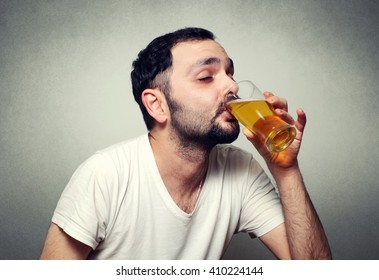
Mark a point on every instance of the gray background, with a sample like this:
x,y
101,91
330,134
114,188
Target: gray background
x,y
65,93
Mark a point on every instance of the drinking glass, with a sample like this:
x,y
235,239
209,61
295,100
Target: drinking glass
x,y
251,110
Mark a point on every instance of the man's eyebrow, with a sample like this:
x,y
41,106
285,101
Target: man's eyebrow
x,y
212,61
206,61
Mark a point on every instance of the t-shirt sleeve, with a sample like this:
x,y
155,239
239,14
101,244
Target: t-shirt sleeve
x,y
83,207
261,207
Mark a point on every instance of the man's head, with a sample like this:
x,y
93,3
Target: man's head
x,y
151,68
181,81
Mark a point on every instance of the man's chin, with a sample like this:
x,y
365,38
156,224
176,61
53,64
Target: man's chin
x,y
226,134
231,126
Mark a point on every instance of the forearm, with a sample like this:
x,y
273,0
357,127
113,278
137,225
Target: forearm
x,y
306,236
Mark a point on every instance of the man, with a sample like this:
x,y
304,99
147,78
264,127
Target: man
x,y
180,191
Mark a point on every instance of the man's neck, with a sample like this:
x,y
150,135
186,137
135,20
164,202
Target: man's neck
x,y
182,169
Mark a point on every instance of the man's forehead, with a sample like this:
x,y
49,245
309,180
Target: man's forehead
x,y
198,53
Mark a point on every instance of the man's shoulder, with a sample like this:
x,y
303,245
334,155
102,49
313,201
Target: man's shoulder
x,y
131,144
118,154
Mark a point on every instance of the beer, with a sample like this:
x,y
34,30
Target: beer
x,y
258,116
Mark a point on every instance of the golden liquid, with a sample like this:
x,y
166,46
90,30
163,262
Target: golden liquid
x,y
257,116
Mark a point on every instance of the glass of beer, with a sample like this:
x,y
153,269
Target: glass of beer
x,y
251,110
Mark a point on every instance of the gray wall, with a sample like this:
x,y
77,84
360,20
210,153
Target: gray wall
x,y
65,93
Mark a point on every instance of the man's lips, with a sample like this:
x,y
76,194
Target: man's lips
x,y
225,113
229,116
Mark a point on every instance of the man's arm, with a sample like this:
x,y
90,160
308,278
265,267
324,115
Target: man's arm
x,y
276,240
303,229
302,235
302,232
60,246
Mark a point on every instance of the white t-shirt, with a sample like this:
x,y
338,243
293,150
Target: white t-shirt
x,y
117,203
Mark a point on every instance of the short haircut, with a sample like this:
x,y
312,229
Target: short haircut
x,y
152,66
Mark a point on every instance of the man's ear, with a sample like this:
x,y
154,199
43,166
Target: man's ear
x,y
155,104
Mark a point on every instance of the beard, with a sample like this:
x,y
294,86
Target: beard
x,y
193,129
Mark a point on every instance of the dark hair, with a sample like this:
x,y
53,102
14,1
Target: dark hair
x,y
156,59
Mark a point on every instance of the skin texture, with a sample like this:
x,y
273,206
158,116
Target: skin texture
x,y
188,124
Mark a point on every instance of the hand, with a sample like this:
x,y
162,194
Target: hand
x,y
288,158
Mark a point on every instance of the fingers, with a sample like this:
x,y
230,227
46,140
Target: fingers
x,y
299,123
280,106
285,116
301,120
276,101
288,156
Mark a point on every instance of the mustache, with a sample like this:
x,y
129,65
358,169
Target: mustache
x,y
222,107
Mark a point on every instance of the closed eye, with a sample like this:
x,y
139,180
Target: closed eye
x,y
206,79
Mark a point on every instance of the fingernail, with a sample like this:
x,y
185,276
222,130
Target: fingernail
x,y
278,111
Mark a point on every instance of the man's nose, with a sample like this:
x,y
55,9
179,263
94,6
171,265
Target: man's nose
x,y
232,89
